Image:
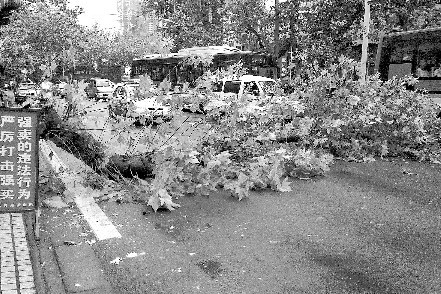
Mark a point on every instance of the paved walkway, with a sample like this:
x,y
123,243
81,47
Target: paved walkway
x,y
16,268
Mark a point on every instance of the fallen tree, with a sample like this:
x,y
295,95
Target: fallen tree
x,y
84,146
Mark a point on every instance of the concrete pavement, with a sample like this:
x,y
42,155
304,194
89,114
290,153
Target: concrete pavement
x,y
66,260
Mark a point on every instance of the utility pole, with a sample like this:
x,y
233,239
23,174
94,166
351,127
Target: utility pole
x,y
277,33
365,46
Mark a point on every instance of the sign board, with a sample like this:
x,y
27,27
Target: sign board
x,y
18,159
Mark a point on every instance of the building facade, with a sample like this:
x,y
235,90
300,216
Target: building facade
x,y
128,12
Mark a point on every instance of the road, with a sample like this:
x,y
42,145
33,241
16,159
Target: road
x,y
363,228
185,125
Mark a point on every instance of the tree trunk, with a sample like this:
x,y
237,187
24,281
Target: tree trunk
x,y
128,166
85,147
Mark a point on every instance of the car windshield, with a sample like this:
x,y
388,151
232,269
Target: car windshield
x,y
232,87
269,87
26,85
102,83
217,87
134,86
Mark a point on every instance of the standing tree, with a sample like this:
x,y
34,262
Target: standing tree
x,y
189,23
320,30
249,22
339,22
38,34
124,48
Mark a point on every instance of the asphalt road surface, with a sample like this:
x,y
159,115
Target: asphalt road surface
x,y
364,228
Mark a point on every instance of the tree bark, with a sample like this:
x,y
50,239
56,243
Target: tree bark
x,y
127,166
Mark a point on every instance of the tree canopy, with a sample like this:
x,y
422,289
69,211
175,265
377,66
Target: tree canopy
x,y
329,26
43,35
38,34
190,23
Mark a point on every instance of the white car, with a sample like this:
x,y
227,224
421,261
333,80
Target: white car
x,y
125,90
247,84
124,103
60,89
148,111
230,89
26,90
99,89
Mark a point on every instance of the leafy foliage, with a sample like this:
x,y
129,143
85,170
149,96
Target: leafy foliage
x,y
257,144
189,23
359,121
249,22
39,33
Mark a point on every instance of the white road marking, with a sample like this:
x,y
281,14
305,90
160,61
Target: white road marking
x,y
95,217
14,256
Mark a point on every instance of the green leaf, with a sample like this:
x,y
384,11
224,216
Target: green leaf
x,y
166,200
121,139
154,202
284,186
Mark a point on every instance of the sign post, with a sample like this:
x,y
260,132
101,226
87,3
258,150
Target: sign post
x,y
19,162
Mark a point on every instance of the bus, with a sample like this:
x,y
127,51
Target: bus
x,y
171,66
416,53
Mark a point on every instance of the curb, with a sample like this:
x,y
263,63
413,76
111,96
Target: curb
x,y
70,265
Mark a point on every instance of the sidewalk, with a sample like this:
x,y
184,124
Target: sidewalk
x,y
67,260
17,271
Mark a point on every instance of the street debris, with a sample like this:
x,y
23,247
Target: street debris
x,y
90,242
55,202
409,173
134,254
70,243
178,270
116,261
129,255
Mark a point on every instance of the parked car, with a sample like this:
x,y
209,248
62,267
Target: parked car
x,y
99,89
189,102
149,111
60,89
230,89
125,103
143,111
126,90
246,84
26,90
